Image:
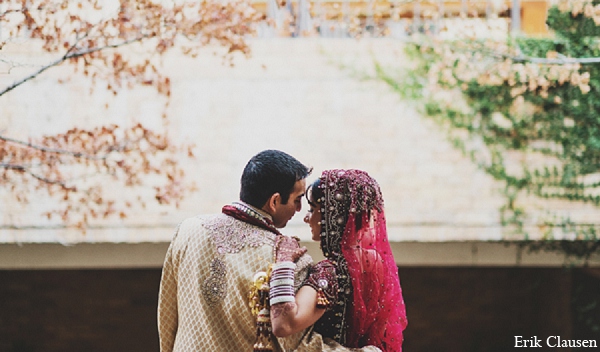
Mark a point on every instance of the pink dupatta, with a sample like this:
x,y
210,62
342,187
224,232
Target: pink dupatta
x,y
370,310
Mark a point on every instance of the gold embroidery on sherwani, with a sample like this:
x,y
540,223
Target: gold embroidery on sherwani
x,y
228,236
190,322
186,321
214,288
231,236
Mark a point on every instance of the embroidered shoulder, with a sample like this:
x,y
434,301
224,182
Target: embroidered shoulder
x,y
324,280
230,235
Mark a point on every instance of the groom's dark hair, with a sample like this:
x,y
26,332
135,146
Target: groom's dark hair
x,y
270,172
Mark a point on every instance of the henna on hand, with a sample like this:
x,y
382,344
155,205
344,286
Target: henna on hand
x,y
282,309
288,249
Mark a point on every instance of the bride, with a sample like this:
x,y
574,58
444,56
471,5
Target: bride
x,y
353,297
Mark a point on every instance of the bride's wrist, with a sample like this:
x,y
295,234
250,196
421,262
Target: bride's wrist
x,y
281,283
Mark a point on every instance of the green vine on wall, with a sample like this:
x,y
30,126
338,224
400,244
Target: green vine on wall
x,y
527,111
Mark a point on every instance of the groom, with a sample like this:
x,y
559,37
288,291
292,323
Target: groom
x,y
211,262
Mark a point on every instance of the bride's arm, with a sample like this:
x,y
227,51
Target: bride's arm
x,y
291,317
293,313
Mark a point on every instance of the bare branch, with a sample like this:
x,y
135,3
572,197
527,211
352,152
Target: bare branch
x,y
12,167
69,55
49,181
11,65
21,168
52,182
116,148
565,61
56,151
560,60
65,165
3,14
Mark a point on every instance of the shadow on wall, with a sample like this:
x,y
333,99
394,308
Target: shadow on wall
x,y
483,309
449,309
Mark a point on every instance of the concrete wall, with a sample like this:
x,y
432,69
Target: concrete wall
x,y
442,211
289,95
45,256
450,309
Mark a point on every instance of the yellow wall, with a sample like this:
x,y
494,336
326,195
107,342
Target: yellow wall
x,y
533,17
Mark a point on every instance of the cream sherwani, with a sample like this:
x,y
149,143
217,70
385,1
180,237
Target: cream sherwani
x,y
206,278
207,275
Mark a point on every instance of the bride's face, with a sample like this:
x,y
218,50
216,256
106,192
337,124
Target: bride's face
x,y
313,219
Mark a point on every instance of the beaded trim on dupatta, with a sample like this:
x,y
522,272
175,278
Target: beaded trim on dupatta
x,y
345,192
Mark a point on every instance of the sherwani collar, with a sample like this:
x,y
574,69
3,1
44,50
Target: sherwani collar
x,y
251,215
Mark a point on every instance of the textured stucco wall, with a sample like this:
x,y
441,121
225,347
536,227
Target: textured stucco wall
x,y
290,95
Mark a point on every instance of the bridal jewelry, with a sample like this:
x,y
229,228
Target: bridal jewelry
x,y
282,283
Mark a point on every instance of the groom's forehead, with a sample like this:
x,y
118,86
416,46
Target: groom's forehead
x,y
299,188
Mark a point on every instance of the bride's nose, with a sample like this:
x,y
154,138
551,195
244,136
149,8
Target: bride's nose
x,y
306,218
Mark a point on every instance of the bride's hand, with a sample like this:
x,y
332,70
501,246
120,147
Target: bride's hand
x,y
288,249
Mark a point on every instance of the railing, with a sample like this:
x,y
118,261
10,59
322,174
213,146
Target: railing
x,y
398,18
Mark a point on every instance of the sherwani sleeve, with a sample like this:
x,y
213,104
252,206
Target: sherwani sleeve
x,y
303,266
168,318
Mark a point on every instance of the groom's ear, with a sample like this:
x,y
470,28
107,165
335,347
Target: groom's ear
x,y
272,203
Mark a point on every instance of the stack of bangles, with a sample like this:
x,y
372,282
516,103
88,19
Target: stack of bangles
x,y
281,285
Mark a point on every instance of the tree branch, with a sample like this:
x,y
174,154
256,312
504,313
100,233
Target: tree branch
x,y
561,60
69,55
22,168
3,14
25,8
558,61
55,150
11,64
12,167
44,149
53,182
